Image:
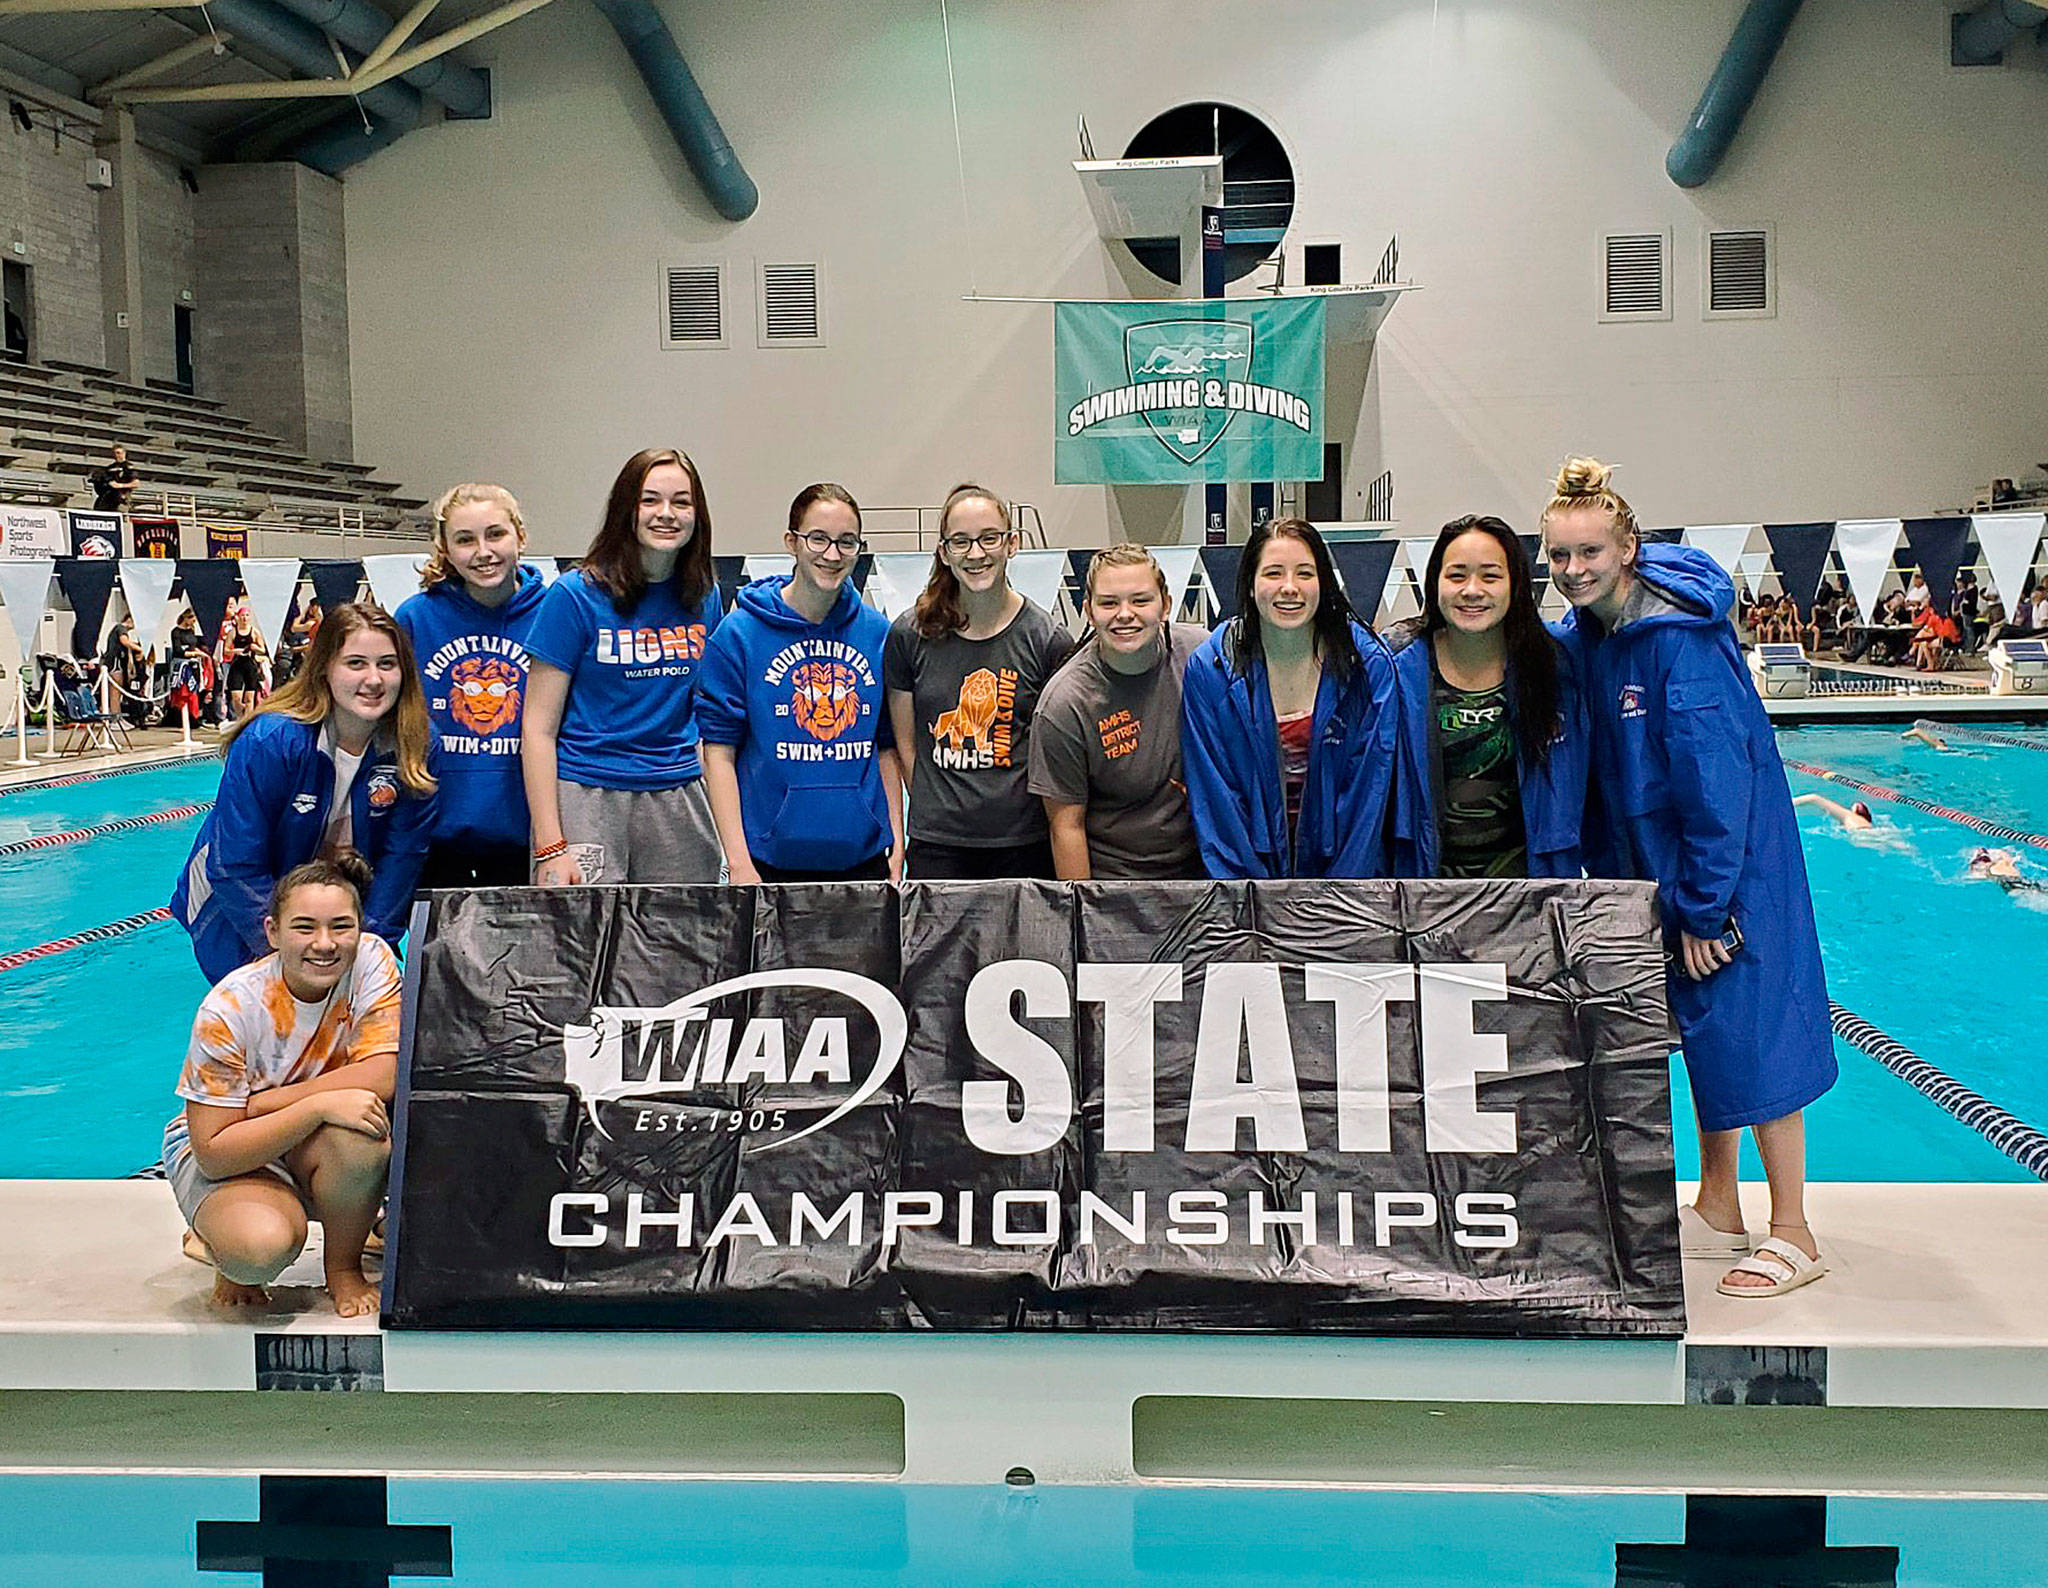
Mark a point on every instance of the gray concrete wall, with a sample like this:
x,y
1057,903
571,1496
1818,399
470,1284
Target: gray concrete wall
x,y
323,311
166,214
46,206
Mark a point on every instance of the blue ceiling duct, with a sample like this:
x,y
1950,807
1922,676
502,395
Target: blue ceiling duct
x,y
336,145
1744,65
304,48
1980,36
682,105
361,26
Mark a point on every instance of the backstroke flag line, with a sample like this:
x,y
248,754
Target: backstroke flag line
x,y
2009,541
271,582
1865,546
1183,393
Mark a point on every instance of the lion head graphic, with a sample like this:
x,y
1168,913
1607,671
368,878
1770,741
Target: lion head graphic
x,y
825,698
483,694
970,720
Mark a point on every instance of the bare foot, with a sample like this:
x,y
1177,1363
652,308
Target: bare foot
x,y
1799,1235
196,1249
228,1294
354,1296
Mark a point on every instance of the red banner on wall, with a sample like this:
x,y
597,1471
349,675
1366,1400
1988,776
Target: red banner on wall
x,y
154,537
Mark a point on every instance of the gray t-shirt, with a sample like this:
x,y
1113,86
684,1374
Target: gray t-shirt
x,y
1111,742
973,701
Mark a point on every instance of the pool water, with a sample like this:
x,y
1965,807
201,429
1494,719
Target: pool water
x,y
93,1036
54,1534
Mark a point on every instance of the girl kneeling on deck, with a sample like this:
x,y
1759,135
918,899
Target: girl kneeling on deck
x,y
286,1085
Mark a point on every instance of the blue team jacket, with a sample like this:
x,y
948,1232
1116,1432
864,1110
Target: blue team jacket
x,y
1230,755
269,816
1692,795
1553,794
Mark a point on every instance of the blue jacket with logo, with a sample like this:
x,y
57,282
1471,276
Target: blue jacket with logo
x,y
473,662
1553,794
1692,796
270,815
801,704
1230,755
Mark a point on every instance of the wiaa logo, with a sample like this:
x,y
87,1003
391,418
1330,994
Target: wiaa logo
x,y
680,1047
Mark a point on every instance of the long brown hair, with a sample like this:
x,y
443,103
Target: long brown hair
x,y
307,697
938,611
1531,652
613,561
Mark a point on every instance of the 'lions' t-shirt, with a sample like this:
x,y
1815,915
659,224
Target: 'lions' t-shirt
x,y
627,723
1111,741
973,701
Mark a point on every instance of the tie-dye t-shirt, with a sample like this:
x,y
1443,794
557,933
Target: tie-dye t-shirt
x,y
251,1035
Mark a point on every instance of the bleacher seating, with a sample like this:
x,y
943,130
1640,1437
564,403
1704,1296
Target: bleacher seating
x,y
57,421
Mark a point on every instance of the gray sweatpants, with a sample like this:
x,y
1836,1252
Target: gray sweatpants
x,y
642,835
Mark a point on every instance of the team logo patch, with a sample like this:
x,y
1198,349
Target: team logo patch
x,y
1631,700
483,694
383,789
97,548
824,698
970,719
304,803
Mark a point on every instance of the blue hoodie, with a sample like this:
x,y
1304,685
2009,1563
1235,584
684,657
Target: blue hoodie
x,y
271,814
1230,755
472,659
1553,795
802,705
1692,796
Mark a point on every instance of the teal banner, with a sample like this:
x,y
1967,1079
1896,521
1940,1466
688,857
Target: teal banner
x,y
1182,393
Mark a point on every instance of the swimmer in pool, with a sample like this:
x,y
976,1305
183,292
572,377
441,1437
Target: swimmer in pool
x,y
1995,865
1924,732
1854,818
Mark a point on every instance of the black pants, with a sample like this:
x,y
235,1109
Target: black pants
x,y
491,866
930,862
875,870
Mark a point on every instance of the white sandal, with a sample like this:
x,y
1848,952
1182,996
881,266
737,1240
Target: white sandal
x,y
1698,1238
1782,1263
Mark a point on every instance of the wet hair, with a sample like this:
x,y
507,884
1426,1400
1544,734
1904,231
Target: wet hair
x,y
1332,620
437,568
1583,482
613,563
1531,652
939,611
344,869
1127,554
308,698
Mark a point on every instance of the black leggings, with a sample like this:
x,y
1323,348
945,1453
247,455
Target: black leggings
x,y
930,862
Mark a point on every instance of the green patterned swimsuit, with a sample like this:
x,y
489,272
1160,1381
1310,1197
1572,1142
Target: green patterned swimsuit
x,y
1481,823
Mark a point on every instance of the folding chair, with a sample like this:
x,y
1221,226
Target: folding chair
x,y
98,731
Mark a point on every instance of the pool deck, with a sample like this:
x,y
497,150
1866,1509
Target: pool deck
x,y
1920,1364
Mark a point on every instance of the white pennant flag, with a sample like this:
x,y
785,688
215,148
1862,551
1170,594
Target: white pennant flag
x,y
271,583
146,586
1418,549
394,579
2009,541
765,567
1725,543
1752,565
1040,575
1865,546
25,587
896,580
548,569
1178,563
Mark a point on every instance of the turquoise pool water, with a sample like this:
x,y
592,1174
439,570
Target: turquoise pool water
x,y
54,1533
93,1036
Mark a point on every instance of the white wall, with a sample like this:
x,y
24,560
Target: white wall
x,y
503,275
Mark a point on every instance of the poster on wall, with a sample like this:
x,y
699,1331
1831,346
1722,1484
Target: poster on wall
x,y
96,535
1372,1107
154,537
33,532
1178,393
227,540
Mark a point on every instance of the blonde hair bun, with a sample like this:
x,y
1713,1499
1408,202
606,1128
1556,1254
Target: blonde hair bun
x,y
1582,477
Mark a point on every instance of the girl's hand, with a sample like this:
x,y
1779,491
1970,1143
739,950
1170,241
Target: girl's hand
x,y
896,864
354,1108
560,872
741,873
1702,956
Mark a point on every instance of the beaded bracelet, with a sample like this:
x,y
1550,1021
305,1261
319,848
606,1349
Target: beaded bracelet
x,y
553,851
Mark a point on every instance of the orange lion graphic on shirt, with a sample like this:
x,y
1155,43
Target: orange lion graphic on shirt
x,y
970,720
824,698
483,694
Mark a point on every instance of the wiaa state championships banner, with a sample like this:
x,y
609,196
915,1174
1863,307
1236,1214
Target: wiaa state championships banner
x,y
1373,1107
1178,393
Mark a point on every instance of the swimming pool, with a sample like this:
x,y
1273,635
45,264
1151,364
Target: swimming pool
x,y
94,1035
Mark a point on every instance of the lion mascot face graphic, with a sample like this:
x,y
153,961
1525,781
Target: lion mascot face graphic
x,y
483,694
825,698
969,721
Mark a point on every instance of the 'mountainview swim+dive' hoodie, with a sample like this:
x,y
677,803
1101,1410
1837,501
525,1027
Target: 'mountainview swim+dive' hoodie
x,y
801,704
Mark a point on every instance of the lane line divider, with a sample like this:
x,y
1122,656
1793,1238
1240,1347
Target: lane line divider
x,y
2013,1136
72,835
1957,730
96,934
2011,835
39,784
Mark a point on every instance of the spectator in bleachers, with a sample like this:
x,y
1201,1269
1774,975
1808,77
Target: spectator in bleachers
x,y
1917,594
114,483
1964,605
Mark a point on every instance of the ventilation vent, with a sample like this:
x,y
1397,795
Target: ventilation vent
x,y
1740,281
792,307
1637,276
693,305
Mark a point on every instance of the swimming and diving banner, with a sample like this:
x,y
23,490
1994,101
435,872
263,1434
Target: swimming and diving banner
x,y
1178,393
1372,1107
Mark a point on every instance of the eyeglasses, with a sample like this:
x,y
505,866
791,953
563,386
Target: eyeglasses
x,y
817,543
987,540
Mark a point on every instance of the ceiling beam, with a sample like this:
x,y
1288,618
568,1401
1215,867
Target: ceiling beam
x,y
34,8
401,31
169,61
